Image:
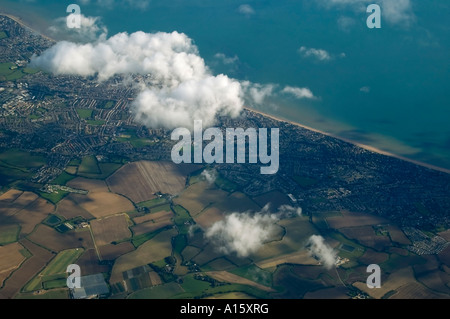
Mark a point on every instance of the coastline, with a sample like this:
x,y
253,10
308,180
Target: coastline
x,y
25,25
364,146
277,118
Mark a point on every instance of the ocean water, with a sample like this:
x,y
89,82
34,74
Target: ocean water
x,y
391,90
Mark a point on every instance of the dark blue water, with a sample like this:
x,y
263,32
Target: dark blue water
x,y
406,111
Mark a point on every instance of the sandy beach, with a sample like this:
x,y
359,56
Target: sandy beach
x,y
367,147
25,24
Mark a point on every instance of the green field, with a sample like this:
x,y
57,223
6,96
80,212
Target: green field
x,y
89,165
181,217
140,239
396,262
152,202
84,113
254,273
63,178
179,243
53,220
54,197
9,72
192,285
137,142
21,159
158,292
9,233
52,294
96,122
57,283
30,70
225,184
226,288
3,35
55,271
164,207
108,105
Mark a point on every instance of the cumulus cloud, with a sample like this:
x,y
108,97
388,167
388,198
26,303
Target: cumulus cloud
x,y
396,12
246,9
256,93
182,88
299,93
209,175
138,4
226,59
288,211
321,251
90,29
242,233
245,233
365,89
345,23
318,54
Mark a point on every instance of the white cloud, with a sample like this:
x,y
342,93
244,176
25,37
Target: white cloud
x,y
256,93
242,233
396,12
210,175
226,59
318,54
300,93
245,233
90,29
345,23
320,250
288,211
365,89
138,4
246,9
182,88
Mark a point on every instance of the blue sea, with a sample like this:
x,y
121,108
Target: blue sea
x,y
388,87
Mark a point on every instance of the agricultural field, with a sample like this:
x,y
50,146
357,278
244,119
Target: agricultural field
x,y
140,180
225,276
69,208
110,229
33,214
28,269
13,201
9,233
10,259
112,252
150,226
54,275
152,250
159,216
400,284
350,219
366,236
45,294
90,264
88,184
101,204
56,241
158,292
134,227
274,198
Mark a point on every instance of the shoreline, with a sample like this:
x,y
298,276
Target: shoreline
x,y
356,143
277,118
25,25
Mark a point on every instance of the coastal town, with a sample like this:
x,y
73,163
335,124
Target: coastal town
x,y
68,117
